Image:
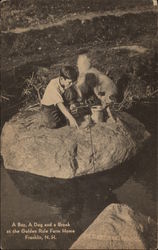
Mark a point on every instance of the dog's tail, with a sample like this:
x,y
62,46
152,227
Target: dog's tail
x,y
83,64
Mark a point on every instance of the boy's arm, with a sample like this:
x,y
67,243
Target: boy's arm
x,y
66,113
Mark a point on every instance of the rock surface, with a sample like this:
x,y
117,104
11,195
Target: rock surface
x,y
67,152
118,227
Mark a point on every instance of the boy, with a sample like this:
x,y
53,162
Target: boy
x,y
59,93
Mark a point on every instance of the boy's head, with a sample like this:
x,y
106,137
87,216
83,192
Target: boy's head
x,y
68,76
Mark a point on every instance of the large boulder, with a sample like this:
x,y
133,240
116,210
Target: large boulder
x,y
67,152
118,227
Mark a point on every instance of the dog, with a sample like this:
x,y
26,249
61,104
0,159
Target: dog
x,y
90,79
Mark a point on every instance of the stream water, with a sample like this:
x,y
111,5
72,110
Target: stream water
x,y
39,200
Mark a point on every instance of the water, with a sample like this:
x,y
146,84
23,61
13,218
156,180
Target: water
x,y
30,198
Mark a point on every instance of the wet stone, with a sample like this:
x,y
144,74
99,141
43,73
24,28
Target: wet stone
x,y
67,152
118,227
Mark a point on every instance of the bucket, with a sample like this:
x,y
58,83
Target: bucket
x,y
97,113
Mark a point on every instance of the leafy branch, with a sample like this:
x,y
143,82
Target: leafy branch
x,y
33,88
130,99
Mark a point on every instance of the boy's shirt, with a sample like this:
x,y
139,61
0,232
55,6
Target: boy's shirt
x,y
53,93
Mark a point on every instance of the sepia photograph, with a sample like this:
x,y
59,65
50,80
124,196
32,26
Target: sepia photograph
x,y
79,99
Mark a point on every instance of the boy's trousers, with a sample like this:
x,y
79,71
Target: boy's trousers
x,y
52,117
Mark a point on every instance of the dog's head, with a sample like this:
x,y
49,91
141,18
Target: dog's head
x,y
86,85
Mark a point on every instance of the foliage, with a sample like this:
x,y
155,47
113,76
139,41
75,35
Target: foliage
x,y
16,13
34,88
